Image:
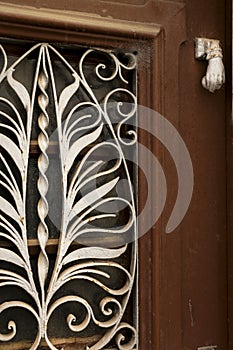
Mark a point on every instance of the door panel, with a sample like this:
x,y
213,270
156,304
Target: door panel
x,y
204,252
185,304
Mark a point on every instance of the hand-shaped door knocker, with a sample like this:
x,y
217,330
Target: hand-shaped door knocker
x,y
210,50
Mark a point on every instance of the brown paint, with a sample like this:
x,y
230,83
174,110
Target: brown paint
x,y
183,275
204,231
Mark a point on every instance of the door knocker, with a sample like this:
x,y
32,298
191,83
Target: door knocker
x,y
210,50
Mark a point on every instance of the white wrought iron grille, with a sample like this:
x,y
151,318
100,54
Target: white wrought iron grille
x,y
67,214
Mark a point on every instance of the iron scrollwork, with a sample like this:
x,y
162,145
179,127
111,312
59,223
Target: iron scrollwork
x,y
81,130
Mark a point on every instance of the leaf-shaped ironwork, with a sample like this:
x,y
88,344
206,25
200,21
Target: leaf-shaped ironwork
x,y
81,133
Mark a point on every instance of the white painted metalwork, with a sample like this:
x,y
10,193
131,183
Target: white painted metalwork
x,y
210,50
43,163
77,131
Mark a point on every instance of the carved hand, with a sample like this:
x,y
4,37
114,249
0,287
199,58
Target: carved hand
x,y
215,75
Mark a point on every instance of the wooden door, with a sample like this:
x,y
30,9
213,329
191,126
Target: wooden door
x,y
184,275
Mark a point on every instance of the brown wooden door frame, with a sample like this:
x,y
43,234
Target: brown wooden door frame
x,y
49,25
150,40
175,275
